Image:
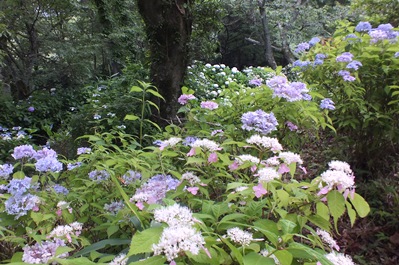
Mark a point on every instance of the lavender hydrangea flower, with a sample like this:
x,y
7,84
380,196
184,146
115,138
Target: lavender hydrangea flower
x,y
6,170
114,207
19,186
183,99
48,164
346,76
20,204
350,36
314,41
320,56
290,91
209,105
363,26
304,46
154,190
396,55
40,253
327,103
99,175
259,121
318,62
31,109
354,65
60,189
301,64
378,35
130,177
71,166
189,140
23,151
45,152
345,57
83,150
385,27
255,82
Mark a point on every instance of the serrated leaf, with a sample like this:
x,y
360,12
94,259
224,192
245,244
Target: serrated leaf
x,y
142,241
284,256
361,206
351,213
336,204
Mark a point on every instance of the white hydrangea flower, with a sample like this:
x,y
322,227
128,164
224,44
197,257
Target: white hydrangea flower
x,y
191,178
338,178
272,161
340,166
267,174
327,238
119,260
289,157
206,144
339,259
265,142
175,215
170,142
243,158
239,236
178,239
266,253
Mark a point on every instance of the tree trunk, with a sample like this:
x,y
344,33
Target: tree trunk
x,y
168,28
266,35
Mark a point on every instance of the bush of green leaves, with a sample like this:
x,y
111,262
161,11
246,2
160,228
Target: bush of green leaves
x,y
366,96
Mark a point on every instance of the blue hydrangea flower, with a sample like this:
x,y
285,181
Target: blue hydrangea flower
x,y
314,41
396,55
45,152
354,65
6,170
363,26
60,189
385,27
283,89
189,140
157,142
345,57
114,207
318,62
19,186
327,103
23,151
99,175
130,177
259,121
19,205
304,46
48,164
346,76
301,64
71,166
255,82
350,36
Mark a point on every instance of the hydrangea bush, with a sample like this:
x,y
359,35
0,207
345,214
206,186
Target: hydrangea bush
x,y
219,190
359,74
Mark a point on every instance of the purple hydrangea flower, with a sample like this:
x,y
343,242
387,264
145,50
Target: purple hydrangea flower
x,y
350,36
19,186
385,27
83,150
130,177
301,64
71,166
6,170
209,105
396,55
346,76
154,190
189,140
31,109
157,142
354,65
183,99
320,56
99,175
318,62
48,164
114,207
304,46
255,82
363,26
40,253
259,121
345,57
291,126
60,189
20,204
45,152
23,151
327,103
378,35
314,41
290,91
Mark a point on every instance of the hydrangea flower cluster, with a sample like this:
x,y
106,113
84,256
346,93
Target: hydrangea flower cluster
x,y
65,232
83,150
255,82
170,142
267,174
345,57
338,259
130,177
302,47
60,189
346,75
209,105
21,201
114,207
327,238
183,99
15,133
340,176
191,178
290,91
180,236
265,142
327,103
71,166
239,236
6,170
290,157
154,190
23,151
99,175
41,253
46,159
259,121
363,26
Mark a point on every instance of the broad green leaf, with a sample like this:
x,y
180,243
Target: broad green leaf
x,y
62,250
142,241
284,197
351,213
361,206
284,256
112,230
320,222
102,244
155,260
155,93
256,259
136,89
336,204
286,226
131,117
234,250
322,210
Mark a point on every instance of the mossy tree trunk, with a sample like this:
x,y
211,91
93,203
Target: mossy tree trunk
x,y
168,28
